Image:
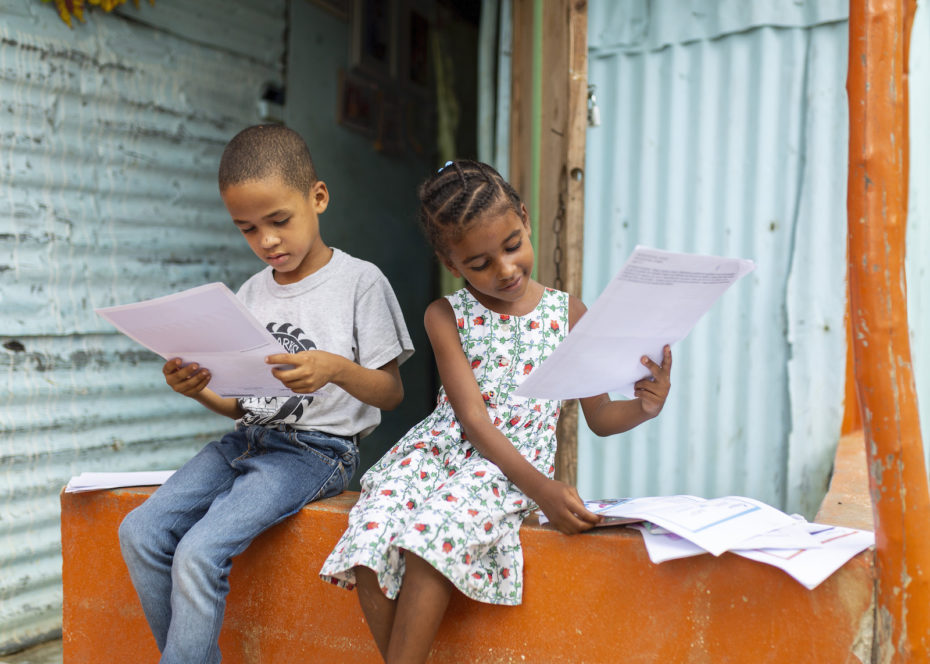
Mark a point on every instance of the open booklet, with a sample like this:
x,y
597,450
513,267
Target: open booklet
x,y
210,326
655,299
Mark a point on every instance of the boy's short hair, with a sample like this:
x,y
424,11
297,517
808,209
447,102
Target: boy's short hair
x,y
263,151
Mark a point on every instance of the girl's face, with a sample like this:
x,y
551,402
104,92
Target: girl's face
x,y
495,257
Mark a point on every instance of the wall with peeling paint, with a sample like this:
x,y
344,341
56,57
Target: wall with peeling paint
x,y
109,138
724,132
110,134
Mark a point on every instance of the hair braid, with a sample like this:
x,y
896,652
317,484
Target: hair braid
x,y
461,192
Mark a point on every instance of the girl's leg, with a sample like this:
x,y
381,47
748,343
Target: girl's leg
x,y
421,605
378,609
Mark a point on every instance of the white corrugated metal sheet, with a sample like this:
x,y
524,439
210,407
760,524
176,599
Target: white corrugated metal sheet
x,y
109,138
724,132
918,216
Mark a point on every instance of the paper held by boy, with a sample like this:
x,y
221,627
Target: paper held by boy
x,y
682,526
655,299
210,326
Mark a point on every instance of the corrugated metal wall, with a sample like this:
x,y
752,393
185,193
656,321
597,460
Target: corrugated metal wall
x,y
109,138
918,216
724,132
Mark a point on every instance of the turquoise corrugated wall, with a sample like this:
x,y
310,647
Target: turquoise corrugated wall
x,y
724,132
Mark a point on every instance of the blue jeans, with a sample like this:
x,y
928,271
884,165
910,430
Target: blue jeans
x,y
179,544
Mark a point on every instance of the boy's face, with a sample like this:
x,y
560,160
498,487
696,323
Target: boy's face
x,y
281,224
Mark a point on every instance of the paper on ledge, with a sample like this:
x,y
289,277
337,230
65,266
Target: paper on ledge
x,y
96,481
210,326
655,299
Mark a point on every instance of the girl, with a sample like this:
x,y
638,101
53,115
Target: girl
x,y
443,507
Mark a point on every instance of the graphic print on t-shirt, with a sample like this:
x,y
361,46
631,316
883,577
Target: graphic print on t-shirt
x,y
266,410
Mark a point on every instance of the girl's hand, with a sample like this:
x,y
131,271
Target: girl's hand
x,y
653,391
187,380
564,508
309,370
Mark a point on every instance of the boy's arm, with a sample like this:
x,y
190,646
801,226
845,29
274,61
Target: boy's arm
x,y
606,417
312,369
191,381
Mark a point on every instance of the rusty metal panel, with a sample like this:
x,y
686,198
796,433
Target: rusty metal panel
x,y
723,131
110,134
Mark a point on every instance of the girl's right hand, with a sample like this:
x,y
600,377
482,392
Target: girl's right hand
x,y
188,380
564,508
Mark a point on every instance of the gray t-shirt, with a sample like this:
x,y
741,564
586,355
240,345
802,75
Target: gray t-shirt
x,y
348,308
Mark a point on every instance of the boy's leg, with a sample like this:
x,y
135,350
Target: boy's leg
x,y
150,533
280,476
378,609
421,604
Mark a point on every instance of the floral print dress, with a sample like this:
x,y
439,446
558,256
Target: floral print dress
x,y
433,494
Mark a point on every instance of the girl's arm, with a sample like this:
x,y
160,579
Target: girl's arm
x,y
606,417
559,501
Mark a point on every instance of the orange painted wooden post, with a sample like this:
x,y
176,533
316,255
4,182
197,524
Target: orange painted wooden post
x,y
877,215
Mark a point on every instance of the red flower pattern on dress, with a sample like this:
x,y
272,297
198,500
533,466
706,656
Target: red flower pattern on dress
x,y
371,525
501,356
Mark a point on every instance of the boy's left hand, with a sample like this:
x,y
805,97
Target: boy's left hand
x,y
309,370
653,391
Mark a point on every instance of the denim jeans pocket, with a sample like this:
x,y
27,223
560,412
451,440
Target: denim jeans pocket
x,y
335,448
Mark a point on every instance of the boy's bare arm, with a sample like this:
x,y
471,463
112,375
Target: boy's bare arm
x,y
312,369
192,380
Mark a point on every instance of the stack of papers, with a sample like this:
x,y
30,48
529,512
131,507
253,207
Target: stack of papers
x,y
683,526
96,481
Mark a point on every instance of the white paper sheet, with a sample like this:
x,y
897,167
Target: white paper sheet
x,y
597,506
655,299
97,481
715,525
811,567
210,326
662,545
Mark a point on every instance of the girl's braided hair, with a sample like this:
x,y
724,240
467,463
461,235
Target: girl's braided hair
x,y
462,191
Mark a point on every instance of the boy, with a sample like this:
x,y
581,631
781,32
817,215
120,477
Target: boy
x,y
340,320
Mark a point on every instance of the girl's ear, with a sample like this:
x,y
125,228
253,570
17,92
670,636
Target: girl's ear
x,y
525,217
449,266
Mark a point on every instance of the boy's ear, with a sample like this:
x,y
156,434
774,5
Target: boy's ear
x,y
319,196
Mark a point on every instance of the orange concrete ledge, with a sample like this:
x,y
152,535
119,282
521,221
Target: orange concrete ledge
x,y
588,598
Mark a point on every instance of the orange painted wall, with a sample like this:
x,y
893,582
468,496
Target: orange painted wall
x,y
588,598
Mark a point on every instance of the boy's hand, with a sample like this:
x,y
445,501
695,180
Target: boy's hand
x,y
564,508
187,380
653,391
309,370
